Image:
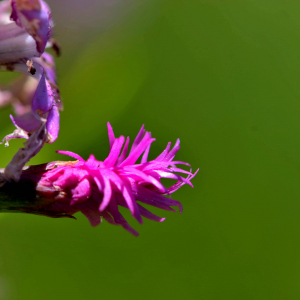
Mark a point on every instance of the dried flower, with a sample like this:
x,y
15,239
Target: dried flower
x,y
98,188
23,38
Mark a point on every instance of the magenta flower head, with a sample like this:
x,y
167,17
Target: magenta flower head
x,y
99,188
25,30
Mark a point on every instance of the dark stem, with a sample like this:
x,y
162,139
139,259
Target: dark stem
x,y
21,197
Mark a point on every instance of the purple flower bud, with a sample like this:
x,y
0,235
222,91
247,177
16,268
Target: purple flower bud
x,y
99,188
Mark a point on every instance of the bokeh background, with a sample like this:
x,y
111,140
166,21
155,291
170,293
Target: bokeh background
x,y
224,77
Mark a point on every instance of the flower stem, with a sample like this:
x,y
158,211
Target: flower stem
x,y
16,197
21,197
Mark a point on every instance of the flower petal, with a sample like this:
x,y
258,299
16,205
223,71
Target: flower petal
x,y
72,154
114,152
27,122
149,215
52,124
123,153
35,17
16,48
111,135
137,139
139,149
107,193
42,100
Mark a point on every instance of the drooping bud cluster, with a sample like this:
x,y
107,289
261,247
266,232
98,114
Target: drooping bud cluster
x,y
25,30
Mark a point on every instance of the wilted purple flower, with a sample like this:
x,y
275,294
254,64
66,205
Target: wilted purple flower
x,y
25,30
98,188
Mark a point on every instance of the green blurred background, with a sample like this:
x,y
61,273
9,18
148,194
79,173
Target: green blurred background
x,y
223,76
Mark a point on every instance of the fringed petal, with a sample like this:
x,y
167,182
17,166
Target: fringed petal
x,y
71,154
123,153
149,215
139,149
107,193
146,153
114,152
111,136
137,139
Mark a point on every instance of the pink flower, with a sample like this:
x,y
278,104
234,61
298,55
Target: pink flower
x,y
98,188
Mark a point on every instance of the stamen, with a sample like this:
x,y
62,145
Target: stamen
x,y
31,68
